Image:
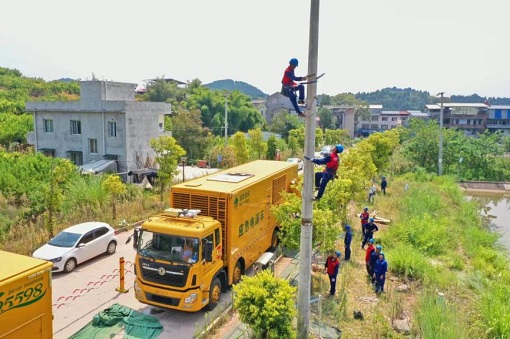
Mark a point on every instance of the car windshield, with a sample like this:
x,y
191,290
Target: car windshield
x,y
174,248
65,239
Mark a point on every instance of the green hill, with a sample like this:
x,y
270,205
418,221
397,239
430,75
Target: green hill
x,y
231,85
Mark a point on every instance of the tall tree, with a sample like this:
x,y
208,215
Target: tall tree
x,y
257,145
240,145
168,155
188,132
115,189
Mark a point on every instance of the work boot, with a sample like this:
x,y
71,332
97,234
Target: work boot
x,y
301,102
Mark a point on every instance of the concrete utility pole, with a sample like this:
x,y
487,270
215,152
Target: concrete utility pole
x,y
440,161
226,121
305,246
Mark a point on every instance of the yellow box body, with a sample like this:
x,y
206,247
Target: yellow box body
x,y
25,297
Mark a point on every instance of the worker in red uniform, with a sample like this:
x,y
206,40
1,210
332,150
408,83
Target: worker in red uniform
x,y
332,162
331,268
364,216
290,87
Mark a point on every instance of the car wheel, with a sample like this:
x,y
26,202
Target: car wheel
x,y
214,294
70,265
112,246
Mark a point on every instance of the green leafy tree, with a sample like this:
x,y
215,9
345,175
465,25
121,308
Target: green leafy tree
x,y
14,127
240,145
336,136
115,189
159,90
326,117
283,122
272,146
266,304
257,145
53,191
188,131
168,155
227,154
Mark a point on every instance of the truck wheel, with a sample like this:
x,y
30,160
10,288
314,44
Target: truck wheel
x,y
274,241
236,278
112,246
70,265
214,294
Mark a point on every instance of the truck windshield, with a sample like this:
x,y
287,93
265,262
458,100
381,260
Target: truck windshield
x,y
168,247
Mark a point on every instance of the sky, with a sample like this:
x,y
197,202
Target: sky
x,y
459,47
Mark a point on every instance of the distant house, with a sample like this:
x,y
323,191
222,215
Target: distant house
x,y
343,117
260,105
498,119
471,118
105,124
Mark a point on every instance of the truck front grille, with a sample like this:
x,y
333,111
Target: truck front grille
x,y
169,275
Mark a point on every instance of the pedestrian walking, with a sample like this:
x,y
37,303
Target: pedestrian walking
x,y
371,192
364,216
370,228
380,269
384,184
368,253
347,242
331,268
373,258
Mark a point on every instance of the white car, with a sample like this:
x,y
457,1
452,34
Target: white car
x,y
297,161
77,244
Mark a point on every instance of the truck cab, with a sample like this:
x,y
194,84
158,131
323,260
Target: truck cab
x,y
179,261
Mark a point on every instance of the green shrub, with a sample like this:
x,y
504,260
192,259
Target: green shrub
x,y
405,261
266,304
436,318
495,310
424,233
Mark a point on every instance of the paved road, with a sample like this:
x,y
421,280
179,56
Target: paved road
x,y
79,295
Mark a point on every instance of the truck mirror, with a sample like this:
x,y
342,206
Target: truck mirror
x,y
135,234
208,251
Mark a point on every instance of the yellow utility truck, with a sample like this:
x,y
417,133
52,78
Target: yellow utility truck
x,y
217,228
25,297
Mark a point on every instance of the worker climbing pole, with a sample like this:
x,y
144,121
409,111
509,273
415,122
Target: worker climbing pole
x,y
305,247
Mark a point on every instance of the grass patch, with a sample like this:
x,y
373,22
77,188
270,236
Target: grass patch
x,y
438,319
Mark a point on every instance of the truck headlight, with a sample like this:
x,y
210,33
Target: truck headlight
x,y
56,259
137,288
191,298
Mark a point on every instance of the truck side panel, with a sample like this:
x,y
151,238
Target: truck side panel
x,y
245,215
25,297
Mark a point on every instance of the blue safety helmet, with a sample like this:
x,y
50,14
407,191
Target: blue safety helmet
x,y
371,241
378,247
365,209
339,148
371,219
338,254
294,62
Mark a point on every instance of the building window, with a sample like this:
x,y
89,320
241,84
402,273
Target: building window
x,y
374,126
48,125
48,152
384,118
374,118
394,119
112,129
76,158
92,145
75,127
